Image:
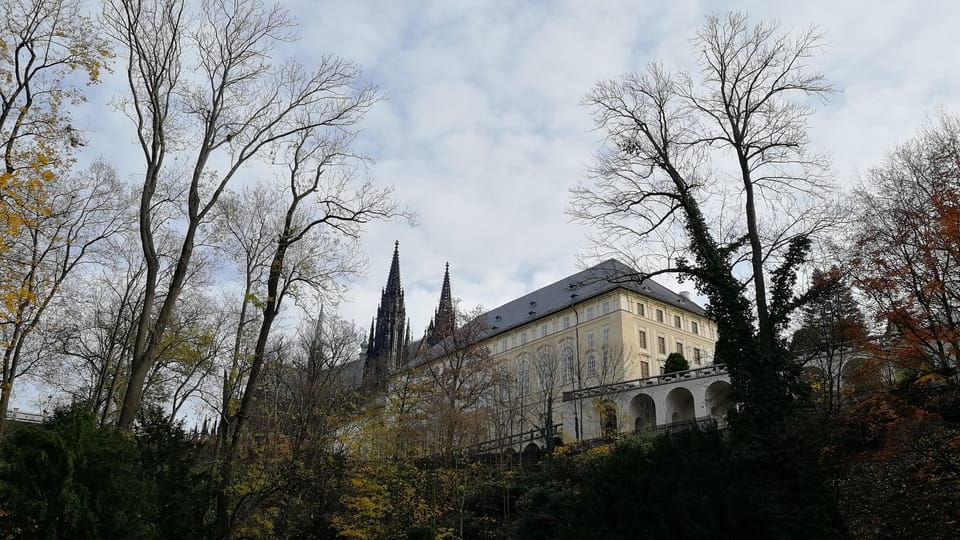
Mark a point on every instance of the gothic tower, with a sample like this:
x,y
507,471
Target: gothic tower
x,y
389,331
444,319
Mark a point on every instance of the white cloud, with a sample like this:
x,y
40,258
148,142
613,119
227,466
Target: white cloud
x,y
482,134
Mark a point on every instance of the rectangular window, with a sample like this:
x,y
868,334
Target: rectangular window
x,y
543,331
556,324
659,315
661,345
566,322
606,335
503,345
513,340
590,340
590,312
641,311
591,366
677,322
606,307
643,339
523,337
644,369
694,327
696,356
680,347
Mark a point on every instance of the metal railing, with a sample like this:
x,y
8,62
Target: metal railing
x,y
646,382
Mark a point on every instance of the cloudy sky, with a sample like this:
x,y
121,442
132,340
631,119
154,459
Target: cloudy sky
x,y
482,133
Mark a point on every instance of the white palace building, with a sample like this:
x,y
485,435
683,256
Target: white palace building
x,y
585,355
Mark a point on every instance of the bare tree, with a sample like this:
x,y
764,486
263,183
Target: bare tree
x,y
547,389
461,374
303,402
80,214
314,248
315,382
722,162
244,228
235,108
93,334
42,43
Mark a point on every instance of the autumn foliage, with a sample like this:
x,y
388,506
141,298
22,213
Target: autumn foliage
x,y
43,46
907,247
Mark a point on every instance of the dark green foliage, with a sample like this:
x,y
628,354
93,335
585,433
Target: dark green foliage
x,y
69,479
545,512
690,484
169,457
421,533
675,362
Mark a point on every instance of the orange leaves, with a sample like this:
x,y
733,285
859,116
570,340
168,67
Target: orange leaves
x,y
908,243
882,424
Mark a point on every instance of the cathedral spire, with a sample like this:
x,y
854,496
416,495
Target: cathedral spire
x,y
388,334
444,319
446,299
393,280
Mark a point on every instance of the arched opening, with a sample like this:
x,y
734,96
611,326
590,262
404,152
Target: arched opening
x,y
644,411
531,452
609,425
719,398
680,406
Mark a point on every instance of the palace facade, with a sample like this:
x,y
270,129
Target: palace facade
x,y
591,330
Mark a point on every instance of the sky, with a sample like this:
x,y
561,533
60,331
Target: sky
x,y
482,133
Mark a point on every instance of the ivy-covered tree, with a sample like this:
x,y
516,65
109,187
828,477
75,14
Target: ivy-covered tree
x,y
714,170
678,147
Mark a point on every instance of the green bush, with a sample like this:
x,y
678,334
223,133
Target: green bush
x,y
675,362
67,478
689,484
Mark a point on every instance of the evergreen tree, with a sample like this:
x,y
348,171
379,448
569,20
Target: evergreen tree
x,y
675,362
832,328
69,479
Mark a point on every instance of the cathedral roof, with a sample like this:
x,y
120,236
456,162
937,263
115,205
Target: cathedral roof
x,y
592,282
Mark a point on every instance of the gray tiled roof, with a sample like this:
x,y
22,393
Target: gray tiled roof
x,y
594,281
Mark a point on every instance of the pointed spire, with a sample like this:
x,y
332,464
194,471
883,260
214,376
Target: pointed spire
x,y
444,319
393,280
373,322
385,350
446,299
